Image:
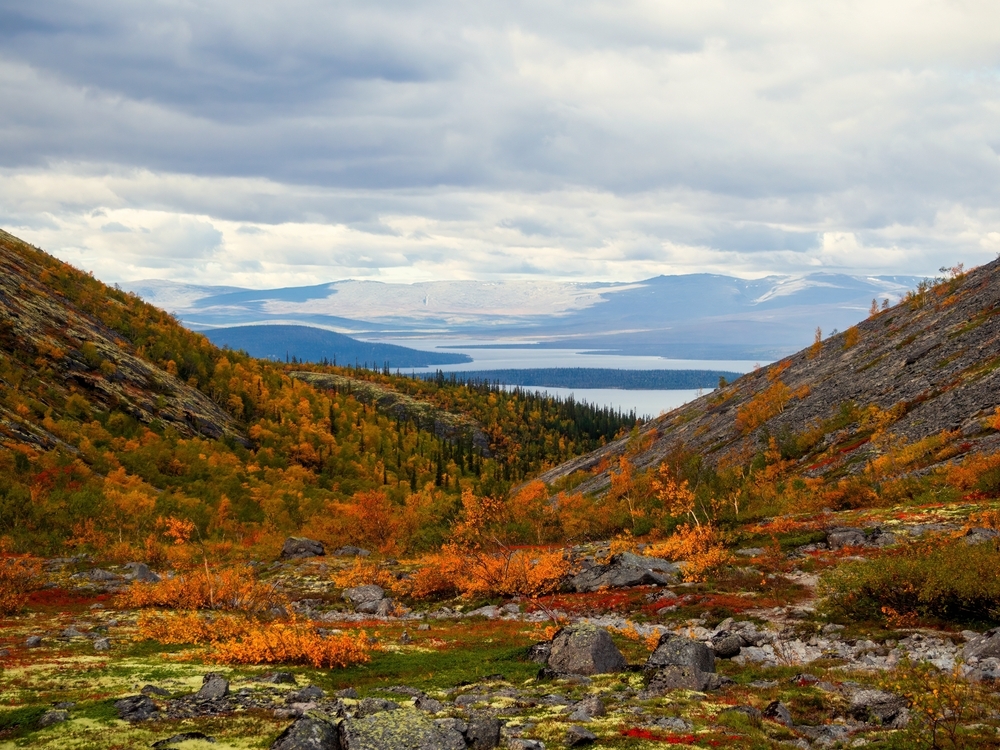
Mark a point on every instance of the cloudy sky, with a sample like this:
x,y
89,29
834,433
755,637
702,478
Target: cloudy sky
x,y
266,144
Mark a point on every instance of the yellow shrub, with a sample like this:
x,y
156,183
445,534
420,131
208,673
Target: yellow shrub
x,y
480,574
19,576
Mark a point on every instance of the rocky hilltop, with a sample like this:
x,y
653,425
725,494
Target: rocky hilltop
x,y
925,367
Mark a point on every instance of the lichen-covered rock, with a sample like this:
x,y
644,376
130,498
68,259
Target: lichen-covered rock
x,y
727,645
405,729
298,546
674,650
675,677
877,707
309,733
483,733
579,737
182,737
55,716
585,650
983,646
141,572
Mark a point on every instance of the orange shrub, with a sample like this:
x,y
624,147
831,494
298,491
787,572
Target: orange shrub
x,y
242,640
19,576
699,546
481,574
229,589
966,475
765,405
363,573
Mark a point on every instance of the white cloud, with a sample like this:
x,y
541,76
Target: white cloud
x,y
256,144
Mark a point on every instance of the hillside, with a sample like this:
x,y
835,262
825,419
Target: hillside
x,y
282,343
923,370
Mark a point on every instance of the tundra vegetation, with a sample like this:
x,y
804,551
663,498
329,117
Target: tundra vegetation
x,y
198,548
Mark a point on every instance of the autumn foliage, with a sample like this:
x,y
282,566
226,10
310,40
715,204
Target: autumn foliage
x,y
237,639
228,589
19,576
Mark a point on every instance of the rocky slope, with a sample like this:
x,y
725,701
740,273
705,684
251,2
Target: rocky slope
x,y
51,350
931,362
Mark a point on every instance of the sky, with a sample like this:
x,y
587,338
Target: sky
x,y
268,144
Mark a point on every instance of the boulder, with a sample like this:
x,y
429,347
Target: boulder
x,y
213,687
405,729
54,716
778,711
677,651
366,599
140,572
585,650
307,694
623,570
483,733
33,641
847,536
308,733
978,536
674,677
102,644
298,546
726,645
983,646
579,737
877,707
101,575
136,708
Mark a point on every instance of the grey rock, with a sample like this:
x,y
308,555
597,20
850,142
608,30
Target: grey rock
x,y
483,733
539,653
778,711
298,546
141,572
593,705
308,733
347,693
279,678
579,737
72,632
520,744
675,677
307,694
405,639
839,538
384,608
675,650
183,737
349,551
674,723
371,706
33,641
727,645
978,536
101,575
585,650
102,644
876,706
365,599
753,713
54,716
136,708
405,729
751,552
983,646
623,570
428,704
213,687
151,690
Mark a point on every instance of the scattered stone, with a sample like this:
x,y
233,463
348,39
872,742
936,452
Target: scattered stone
x,y
298,546
349,551
585,650
213,687
33,641
54,716
579,737
136,708
140,572
405,729
675,677
102,644
405,639
72,632
372,706
751,552
753,713
428,704
183,737
983,646
519,744
423,626
308,733
978,536
838,538
101,575
674,723
623,570
593,705
539,653
726,645
483,733
347,693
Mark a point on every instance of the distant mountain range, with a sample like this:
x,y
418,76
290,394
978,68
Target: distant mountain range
x,y
305,344
692,316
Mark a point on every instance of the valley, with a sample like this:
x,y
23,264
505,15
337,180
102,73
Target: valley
x,y
203,549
